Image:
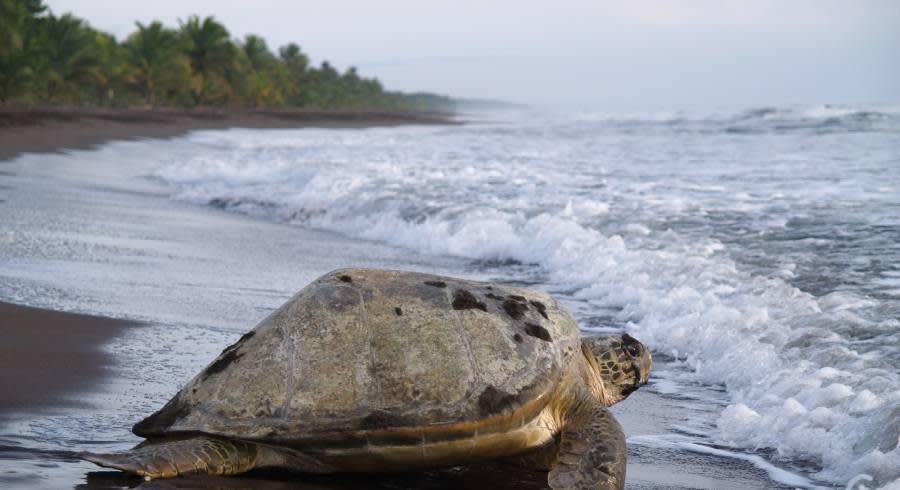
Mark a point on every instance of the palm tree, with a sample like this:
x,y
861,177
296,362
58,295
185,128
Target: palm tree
x,y
14,14
10,35
327,73
258,73
153,58
13,62
66,60
210,52
113,71
15,73
297,61
60,59
258,52
294,75
324,89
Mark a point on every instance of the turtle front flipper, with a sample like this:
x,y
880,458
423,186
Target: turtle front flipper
x,y
592,451
167,458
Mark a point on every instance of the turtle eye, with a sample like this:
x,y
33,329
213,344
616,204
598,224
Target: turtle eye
x,y
632,346
632,350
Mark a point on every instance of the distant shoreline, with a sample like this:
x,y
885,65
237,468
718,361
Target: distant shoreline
x,y
52,129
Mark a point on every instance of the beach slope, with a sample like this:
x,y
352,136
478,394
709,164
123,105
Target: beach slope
x,y
48,357
51,129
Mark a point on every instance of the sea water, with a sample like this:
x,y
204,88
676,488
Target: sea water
x,y
756,252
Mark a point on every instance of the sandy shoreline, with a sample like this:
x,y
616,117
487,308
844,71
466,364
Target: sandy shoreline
x,y
42,130
48,357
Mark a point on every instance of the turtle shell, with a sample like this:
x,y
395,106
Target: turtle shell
x,y
365,349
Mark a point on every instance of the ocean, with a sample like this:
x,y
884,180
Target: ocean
x,y
757,252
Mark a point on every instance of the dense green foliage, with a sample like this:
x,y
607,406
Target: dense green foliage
x,y
50,59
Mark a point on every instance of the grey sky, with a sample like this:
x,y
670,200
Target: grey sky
x,y
620,55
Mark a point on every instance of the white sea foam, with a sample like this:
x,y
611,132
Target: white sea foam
x,y
695,252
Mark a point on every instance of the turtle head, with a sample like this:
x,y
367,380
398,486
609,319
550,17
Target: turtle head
x,y
623,363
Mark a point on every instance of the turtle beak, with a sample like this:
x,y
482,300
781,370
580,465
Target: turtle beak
x,y
646,364
640,364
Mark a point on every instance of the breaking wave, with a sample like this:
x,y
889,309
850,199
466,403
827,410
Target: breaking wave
x,y
817,119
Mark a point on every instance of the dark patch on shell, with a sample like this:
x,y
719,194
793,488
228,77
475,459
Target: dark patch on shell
x,y
398,311
540,308
222,362
493,401
382,419
464,300
516,297
515,309
538,331
631,345
493,297
228,356
345,278
162,420
437,284
517,338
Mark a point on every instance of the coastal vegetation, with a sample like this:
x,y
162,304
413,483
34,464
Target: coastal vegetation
x,y
49,59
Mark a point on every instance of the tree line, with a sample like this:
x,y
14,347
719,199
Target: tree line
x,y
60,59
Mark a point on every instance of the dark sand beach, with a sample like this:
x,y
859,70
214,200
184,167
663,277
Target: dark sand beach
x,y
43,130
48,357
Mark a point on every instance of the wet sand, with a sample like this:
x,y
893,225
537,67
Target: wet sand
x,y
44,130
48,357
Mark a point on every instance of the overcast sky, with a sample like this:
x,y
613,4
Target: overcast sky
x,y
619,55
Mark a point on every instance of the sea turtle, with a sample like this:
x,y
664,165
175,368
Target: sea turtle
x,y
370,370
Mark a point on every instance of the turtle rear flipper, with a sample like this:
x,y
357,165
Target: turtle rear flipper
x,y
165,458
